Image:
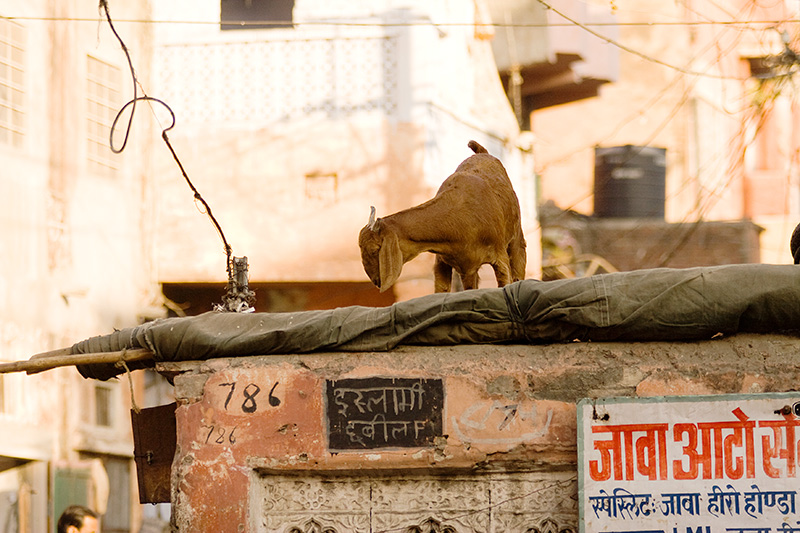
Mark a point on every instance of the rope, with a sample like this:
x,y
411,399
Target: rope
x,y
123,364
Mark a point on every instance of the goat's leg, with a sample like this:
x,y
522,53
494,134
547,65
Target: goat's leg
x,y
470,279
442,275
458,285
502,271
517,258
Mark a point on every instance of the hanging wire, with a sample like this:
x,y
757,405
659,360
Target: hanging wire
x,y
136,98
123,364
197,196
744,23
104,6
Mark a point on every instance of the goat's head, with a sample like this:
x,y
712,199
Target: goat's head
x,y
380,252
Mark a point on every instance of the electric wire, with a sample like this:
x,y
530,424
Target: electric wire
x,y
678,235
283,23
136,98
633,51
646,106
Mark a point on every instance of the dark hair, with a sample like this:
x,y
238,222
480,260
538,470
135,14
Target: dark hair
x,y
73,516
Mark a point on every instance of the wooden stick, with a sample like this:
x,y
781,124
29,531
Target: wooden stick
x,y
53,353
58,358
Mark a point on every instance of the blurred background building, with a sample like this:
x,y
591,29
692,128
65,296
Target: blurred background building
x,y
709,86
74,234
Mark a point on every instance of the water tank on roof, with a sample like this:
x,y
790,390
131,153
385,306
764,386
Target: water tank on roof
x,y
629,182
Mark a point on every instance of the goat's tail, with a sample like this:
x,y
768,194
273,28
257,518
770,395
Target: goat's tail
x,y
477,148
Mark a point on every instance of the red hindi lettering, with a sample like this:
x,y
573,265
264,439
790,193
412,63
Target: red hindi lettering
x,y
720,443
783,448
623,456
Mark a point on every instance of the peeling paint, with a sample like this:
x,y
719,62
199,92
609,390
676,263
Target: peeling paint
x,y
490,422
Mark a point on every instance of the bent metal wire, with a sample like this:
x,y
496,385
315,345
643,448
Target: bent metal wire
x,y
239,298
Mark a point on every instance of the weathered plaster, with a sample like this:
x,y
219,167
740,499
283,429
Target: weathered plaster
x,y
507,408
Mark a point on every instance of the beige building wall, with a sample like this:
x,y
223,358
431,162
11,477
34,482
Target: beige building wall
x,y
688,86
74,227
292,133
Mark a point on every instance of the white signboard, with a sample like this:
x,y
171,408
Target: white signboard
x,y
694,464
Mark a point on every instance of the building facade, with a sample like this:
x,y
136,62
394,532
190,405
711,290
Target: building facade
x,y
292,130
711,85
290,122
76,256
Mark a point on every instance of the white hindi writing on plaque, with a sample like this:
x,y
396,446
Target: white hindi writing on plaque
x,y
391,399
384,412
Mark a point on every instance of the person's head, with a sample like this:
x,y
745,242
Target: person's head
x,y
78,519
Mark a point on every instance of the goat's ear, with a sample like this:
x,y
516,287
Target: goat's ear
x,y
391,260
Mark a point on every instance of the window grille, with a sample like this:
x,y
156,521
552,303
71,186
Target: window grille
x,y
103,103
102,406
12,83
279,80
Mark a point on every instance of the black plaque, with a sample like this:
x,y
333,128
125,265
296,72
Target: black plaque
x,y
376,412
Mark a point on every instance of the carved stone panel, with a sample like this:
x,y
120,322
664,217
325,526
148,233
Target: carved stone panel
x,y
544,502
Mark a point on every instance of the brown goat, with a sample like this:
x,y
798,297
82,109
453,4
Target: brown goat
x,y
474,219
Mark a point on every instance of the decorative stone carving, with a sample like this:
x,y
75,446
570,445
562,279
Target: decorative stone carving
x,y
430,526
543,502
312,526
525,502
550,526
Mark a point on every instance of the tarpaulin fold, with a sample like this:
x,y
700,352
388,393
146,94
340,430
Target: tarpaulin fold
x,y
643,305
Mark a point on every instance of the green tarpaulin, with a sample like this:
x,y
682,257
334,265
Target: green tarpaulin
x,y
643,305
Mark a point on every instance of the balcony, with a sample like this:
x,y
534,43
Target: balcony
x,y
558,62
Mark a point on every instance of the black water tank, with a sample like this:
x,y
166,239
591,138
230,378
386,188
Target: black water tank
x,y
629,181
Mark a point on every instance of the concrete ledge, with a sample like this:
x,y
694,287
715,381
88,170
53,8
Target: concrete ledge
x,y
503,409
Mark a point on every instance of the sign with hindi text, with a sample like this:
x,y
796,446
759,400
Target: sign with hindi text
x,y
694,464
378,412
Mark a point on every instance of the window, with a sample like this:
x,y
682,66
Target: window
x,y
255,14
12,83
102,406
103,103
117,518
322,188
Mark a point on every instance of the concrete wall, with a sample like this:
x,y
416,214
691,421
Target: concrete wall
x,y
254,438
291,134
75,241
632,244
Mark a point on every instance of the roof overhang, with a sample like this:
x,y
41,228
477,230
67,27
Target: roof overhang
x,y
559,62
24,443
